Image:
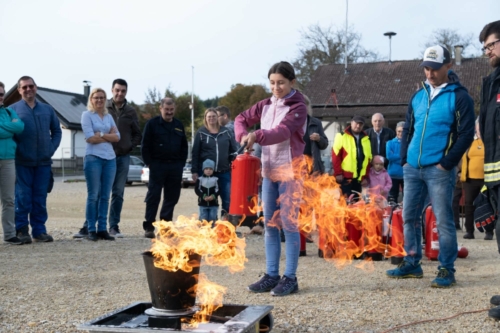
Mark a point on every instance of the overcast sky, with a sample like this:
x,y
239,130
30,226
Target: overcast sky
x,y
155,43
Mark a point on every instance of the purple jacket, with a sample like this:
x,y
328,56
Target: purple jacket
x,y
379,182
282,127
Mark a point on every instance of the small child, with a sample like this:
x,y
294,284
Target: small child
x,y
380,181
207,190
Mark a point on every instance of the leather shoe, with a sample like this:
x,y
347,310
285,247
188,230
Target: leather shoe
x,y
469,235
488,236
149,234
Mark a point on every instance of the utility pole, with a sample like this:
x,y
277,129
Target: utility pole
x,y
192,108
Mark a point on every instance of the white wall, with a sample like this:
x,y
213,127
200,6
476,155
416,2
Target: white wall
x,y
65,149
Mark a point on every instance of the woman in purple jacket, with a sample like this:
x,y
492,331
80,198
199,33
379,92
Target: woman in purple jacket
x,y
282,120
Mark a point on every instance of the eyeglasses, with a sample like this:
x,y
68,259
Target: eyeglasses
x,y
490,46
98,98
2,94
29,86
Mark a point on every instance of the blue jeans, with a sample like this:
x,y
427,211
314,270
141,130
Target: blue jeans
x,y
99,174
438,185
122,166
32,184
224,190
208,213
282,215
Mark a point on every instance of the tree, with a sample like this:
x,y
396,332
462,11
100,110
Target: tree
x,y
211,102
327,46
242,97
450,38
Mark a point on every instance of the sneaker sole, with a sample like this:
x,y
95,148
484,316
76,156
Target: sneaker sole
x,y
260,291
13,243
79,236
435,285
294,291
409,276
42,240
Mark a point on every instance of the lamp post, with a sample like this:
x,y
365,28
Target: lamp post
x,y
192,107
390,34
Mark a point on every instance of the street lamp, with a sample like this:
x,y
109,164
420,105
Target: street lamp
x,y
390,34
192,107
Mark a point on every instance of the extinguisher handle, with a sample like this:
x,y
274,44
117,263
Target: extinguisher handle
x,y
241,149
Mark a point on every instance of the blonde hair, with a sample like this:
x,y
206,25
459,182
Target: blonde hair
x,y
90,104
205,118
307,101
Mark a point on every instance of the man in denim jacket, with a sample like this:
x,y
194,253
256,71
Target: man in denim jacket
x,y
35,146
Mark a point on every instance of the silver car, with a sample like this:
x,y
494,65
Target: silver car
x,y
134,170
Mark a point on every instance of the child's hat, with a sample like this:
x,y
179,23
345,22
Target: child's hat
x,y
208,164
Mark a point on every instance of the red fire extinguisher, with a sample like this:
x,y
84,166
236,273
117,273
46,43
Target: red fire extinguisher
x,y
245,177
382,233
431,235
397,236
354,230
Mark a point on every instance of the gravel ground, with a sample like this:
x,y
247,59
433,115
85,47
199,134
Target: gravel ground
x,y
54,287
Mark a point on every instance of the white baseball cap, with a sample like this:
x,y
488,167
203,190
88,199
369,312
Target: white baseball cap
x,y
435,57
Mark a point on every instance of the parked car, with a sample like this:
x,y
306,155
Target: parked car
x,y
187,177
134,170
145,175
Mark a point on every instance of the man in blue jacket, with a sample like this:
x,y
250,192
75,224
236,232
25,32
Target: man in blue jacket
x,y
439,128
35,147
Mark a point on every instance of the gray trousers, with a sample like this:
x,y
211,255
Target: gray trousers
x,y
7,187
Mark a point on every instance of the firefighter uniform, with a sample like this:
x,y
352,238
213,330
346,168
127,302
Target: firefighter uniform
x,y
165,150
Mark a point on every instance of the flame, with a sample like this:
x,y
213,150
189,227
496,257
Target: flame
x,y
217,244
347,229
209,296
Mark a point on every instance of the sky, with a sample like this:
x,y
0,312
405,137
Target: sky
x,y
157,43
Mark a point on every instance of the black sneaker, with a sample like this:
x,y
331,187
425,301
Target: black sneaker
x,y
44,238
84,232
115,232
469,235
150,233
286,286
13,241
495,300
92,236
303,253
24,235
488,236
104,235
266,283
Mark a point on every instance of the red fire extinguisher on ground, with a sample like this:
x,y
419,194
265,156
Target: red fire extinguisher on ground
x,y
397,236
431,235
245,177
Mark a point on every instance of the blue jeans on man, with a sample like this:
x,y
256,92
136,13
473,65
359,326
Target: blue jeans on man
x,y
99,175
224,190
289,195
32,184
438,185
118,189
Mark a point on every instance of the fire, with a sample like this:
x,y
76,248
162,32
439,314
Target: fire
x,y
217,245
209,296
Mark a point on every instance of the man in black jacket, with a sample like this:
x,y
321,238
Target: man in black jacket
x,y
489,121
164,149
127,122
379,136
